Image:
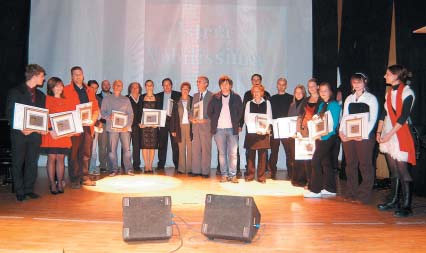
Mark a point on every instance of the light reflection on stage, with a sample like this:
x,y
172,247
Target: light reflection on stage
x,y
170,185
135,184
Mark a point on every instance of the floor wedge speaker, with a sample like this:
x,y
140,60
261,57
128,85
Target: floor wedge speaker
x,y
147,218
230,217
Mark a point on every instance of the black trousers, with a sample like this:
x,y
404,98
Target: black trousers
x,y
163,136
25,154
81,150
322,176
289,155
359,156
136,146
261,164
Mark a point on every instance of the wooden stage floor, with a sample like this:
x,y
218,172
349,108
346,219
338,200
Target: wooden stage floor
x,y
90,219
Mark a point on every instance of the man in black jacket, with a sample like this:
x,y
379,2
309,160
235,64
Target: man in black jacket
x,y
26,143
225,110
103,139
164,132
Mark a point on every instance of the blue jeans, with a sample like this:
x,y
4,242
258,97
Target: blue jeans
x,y
227,144
125,146
93,169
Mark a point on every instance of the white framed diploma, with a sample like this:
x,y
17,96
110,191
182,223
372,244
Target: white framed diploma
x,y
304,148
355,125
30,118
66,123
85,112
284,127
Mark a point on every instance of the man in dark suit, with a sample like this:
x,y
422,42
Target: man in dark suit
x,y
103,140
163,102
26,143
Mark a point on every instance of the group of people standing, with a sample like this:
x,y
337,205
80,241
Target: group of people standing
x,y
192,123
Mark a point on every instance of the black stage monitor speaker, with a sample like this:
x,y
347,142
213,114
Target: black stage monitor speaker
x,y
230,217
147,218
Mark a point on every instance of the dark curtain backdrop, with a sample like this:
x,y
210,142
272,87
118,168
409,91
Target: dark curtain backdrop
x,y
411,52
324,24
14,24
364,42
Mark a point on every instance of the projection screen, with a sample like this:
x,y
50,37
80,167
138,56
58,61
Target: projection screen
x,y
136,40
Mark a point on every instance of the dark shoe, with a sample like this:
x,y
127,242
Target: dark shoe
x,y
180,172
405,209
20,197
194,175
205,176
53,192
239,174
89,182
32,195
75,185
393,203
160,168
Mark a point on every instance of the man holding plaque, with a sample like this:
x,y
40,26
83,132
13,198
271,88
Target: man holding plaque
x,y
118,113
202,137
25,143
166,99
280,103
78,93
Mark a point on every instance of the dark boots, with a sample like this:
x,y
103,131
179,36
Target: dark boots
x,y
405,209
393,203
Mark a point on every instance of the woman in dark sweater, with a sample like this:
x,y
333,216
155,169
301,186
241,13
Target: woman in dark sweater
x,y
299,100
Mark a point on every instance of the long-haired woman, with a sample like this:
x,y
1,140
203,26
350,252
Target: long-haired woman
x,y
395,139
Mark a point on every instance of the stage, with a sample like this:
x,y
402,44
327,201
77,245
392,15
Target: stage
x,y
90,219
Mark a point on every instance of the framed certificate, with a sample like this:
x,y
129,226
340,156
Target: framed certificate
x,y
151,118
284,127
355,125
66,123
320,126
198,110
63,124
354,128
261,123
35,119
119,120
304,148
170,107
85,111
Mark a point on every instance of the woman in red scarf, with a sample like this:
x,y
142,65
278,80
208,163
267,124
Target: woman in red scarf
x,y
395,139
